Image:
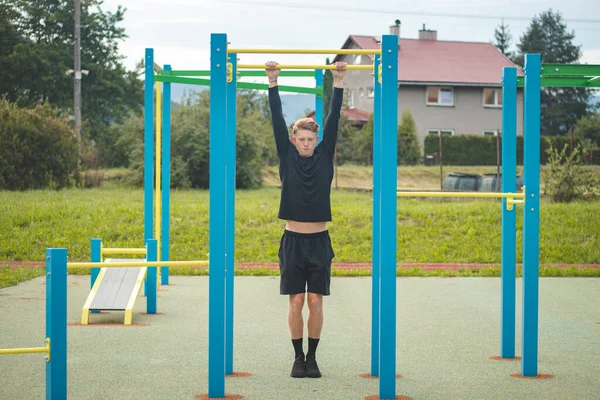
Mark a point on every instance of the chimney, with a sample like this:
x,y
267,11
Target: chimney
x,y
426,34
395,29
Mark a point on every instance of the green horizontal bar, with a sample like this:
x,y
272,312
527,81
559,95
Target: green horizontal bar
x,y
564,82
242,85
180,79
578,70
282,88
183,72
303,73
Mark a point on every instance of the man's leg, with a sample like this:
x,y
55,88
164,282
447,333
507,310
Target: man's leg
x,y
296,325
315,317
315,325
295,321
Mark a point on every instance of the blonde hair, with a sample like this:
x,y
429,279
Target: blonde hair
x,y
308,124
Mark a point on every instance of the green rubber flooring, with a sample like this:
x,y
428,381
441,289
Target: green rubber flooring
x,y
447,329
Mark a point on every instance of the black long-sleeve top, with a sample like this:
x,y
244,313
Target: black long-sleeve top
x,y
305,181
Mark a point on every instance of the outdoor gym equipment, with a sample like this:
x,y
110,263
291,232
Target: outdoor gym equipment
x,y
56,310
224,67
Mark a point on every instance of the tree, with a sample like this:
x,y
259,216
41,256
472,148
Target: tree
x,y
37,149
409,151
503,39
190,141
561,107
366,140
588,130
42,53
347,143
566,180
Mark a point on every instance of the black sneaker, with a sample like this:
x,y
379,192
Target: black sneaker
x,y
299,368
312,369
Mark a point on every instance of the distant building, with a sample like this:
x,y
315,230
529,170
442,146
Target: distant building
x,y
355,116
449,87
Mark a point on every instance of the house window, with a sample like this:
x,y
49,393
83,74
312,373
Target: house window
x,y
361,92
448,132
492,97
490,133
437,96
370,92
358,59
350,99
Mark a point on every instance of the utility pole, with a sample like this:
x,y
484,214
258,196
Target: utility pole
x,y
77,94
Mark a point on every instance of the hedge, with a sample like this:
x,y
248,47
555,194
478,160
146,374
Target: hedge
x,y
37,149
481,150
592,156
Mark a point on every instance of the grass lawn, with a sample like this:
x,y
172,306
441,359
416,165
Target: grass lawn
x,y
429,230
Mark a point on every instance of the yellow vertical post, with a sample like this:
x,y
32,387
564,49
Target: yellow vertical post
x,y
158,163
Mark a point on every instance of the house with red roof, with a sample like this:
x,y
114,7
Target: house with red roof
x,y
449,87
356,117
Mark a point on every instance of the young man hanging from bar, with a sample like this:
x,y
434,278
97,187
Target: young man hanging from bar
x,y
305,252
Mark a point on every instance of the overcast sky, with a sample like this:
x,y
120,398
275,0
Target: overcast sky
x,y
179,30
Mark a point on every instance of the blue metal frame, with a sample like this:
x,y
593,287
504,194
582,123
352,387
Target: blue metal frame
x,y
319,103
216,285
509,218
388,216
148,143
230,159
152,255
56,323
375,247
531,215
166,180
95,256
148,149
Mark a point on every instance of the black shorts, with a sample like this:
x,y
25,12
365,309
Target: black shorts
x,y
305,260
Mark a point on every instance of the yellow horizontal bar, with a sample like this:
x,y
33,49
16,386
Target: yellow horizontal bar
x,y
115,250
141,263
305,51
28,350
294,66
461,194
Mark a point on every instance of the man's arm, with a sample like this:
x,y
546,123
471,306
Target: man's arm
x,y
280,130
330,131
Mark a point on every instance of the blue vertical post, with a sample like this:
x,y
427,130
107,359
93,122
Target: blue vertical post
x,y
531,215
95,256
56,323
509,218
148,148
166,179
148,143
389,178
319,102
230,159
216,283
376,244
151,247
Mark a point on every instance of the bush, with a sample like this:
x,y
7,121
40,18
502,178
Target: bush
x,y
592,156
38,149
409,151
190,142
481,150
355,144
566,181
348,143
587,129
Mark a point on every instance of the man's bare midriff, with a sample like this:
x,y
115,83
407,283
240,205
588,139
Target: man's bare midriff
x,y
306,227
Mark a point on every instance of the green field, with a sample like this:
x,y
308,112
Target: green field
x,y
429,230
